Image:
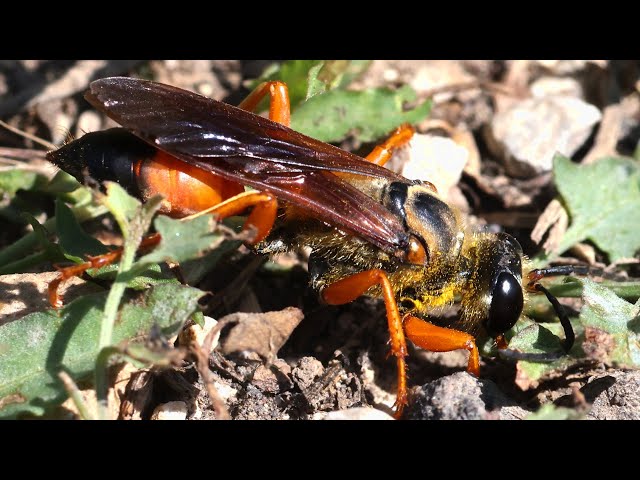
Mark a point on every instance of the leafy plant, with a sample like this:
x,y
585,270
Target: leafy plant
x,y
602,199
322,108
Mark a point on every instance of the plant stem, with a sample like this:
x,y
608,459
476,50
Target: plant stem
x,y
75,395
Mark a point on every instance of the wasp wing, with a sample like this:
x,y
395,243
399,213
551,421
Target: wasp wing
x,y
252,150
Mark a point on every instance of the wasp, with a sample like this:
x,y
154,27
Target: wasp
x,y
371,231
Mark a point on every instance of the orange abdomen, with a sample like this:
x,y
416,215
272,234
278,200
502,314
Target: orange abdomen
x,y
186,189
119,156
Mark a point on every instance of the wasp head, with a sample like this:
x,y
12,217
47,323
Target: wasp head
x,y
493,294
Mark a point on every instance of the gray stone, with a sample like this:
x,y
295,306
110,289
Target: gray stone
x,y
529,133
461,396
614,396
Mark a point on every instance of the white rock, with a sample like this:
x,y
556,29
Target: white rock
x,y
358,413
198,334
226,392
436,159
529,133
170,411
546,86
568,67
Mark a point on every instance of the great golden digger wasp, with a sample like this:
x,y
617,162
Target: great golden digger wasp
x,y
371,231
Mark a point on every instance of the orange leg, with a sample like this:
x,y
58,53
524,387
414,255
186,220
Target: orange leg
x,y
350,288
400,137
501,342
262,217
55,299
265,206
439,339
279,108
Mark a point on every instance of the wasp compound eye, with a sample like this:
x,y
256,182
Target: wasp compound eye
x,y
506,304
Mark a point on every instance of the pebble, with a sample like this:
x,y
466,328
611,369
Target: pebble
x,y
461,396
440,160
529,133
198,334
614,396
170,411
357,413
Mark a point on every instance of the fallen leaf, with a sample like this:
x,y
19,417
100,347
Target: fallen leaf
x,y
262,333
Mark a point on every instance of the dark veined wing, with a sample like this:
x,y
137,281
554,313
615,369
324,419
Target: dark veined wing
x,y
254,151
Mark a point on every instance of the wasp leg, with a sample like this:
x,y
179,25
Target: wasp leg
x,y
262,217
350,288
439,339
265,206
55,299
399,138
279,108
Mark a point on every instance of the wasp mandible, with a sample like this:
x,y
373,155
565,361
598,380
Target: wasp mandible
x,y
371,231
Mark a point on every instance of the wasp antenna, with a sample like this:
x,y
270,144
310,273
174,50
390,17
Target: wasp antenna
x,y
557,270
22,133
569,335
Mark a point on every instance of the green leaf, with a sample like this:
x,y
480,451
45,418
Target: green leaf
x,y
196,269
306,78
63,183
35,348
75,242
295,73
332,74
50,251
614,321
315,85
603,200
123,206
369,114
181,241
607,312
551,412
28,242
13,180
532,337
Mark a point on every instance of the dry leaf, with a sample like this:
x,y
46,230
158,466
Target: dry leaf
x,y
555,220
262,333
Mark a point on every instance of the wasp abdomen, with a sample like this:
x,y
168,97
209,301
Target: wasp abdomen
x,y
109,155
117,155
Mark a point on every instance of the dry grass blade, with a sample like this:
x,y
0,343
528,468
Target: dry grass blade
x,y
202,365
555,220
